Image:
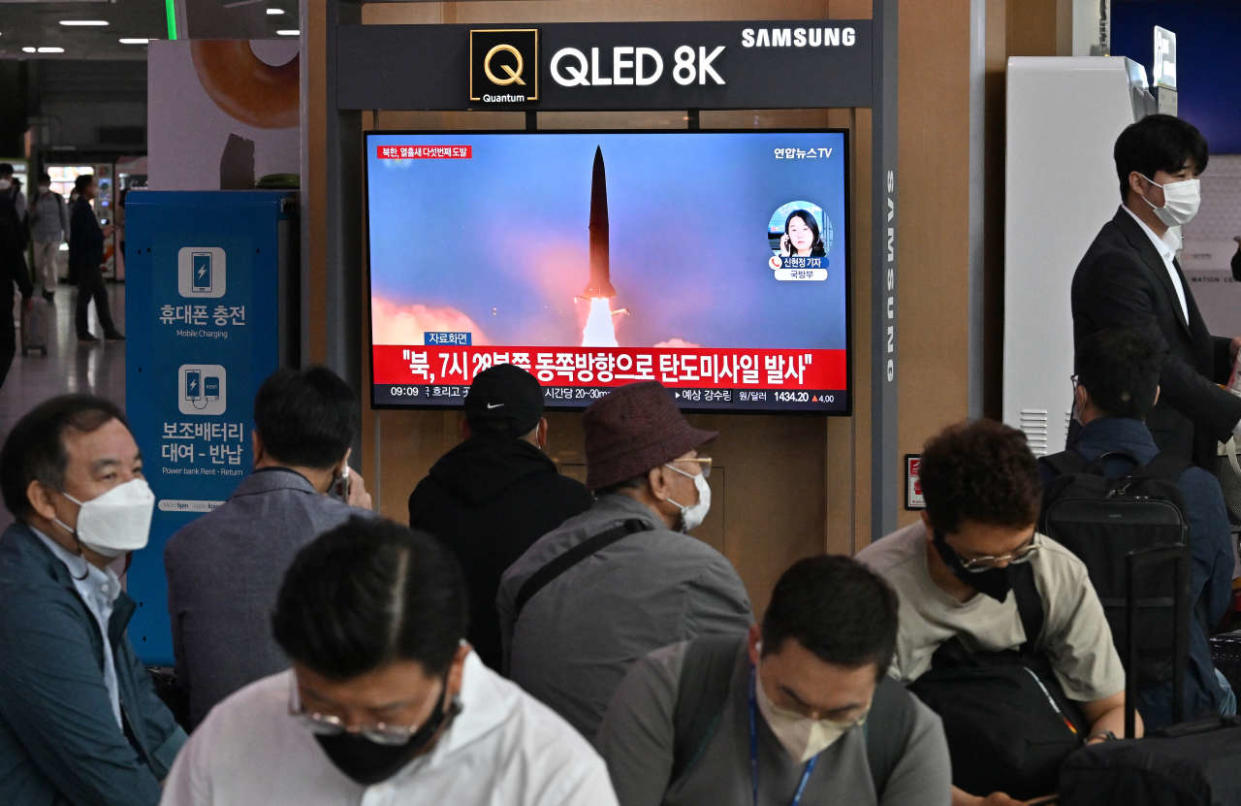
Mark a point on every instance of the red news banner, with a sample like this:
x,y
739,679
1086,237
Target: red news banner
x,y
696,368
425,152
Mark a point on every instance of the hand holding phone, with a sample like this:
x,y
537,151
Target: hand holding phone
x,y
340,487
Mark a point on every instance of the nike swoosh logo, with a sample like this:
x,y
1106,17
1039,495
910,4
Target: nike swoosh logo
x,y
494,405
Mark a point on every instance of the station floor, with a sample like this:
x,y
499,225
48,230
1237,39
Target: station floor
x,y
68,367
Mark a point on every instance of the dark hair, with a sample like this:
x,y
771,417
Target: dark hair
x,y
6,169
306,417
980,471
368,593
1158,143
35,449
1120,370
82,182
44,176
836,608
816,248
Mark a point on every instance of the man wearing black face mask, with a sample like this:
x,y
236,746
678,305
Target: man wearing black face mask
x,y
385,704
954,572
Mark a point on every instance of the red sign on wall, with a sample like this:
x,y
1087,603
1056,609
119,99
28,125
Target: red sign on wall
x,y
913,482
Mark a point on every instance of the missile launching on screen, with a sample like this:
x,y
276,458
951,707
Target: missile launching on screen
x,y
599,283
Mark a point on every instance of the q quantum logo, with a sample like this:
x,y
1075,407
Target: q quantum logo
x,y
504,65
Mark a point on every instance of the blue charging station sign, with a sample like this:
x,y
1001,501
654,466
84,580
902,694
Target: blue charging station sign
x,y
203,314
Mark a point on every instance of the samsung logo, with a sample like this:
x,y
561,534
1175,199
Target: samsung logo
x,y
824,37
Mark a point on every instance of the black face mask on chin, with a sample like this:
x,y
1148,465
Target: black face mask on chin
x,y
369,762
994,582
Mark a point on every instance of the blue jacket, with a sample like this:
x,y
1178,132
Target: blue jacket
x,y
59,741
1210,577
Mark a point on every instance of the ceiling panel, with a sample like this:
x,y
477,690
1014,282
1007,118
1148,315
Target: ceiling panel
x,y
36,23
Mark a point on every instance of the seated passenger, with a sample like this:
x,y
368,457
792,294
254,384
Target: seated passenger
x,y
80,722
954,571
492,496
802,708
622,579
1117,386
224,568
385,702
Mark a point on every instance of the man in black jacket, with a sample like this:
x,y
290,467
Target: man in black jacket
x,y
1130,278
491,497
85,257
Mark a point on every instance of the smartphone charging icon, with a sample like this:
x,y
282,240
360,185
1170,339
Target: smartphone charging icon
x,y
194,384
200,282
201,272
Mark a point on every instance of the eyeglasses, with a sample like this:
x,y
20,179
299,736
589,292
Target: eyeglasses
x,y
986,562
839,724
704,464
331,725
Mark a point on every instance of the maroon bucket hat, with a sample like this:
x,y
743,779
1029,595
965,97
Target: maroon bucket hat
x,y
633,429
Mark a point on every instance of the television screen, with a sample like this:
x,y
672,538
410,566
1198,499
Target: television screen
x,y
713,262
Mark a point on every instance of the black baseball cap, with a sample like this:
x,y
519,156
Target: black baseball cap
x,y
504,399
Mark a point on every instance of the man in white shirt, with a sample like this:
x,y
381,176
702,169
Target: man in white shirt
x,y
1129,278
384,703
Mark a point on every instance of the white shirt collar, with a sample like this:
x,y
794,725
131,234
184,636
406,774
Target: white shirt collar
x,y
1164,248
484,706
97,585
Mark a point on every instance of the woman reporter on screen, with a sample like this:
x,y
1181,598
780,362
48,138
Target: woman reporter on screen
x,y
801,236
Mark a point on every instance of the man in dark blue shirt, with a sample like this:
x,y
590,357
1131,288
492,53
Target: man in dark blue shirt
x,y
80,721
1117,384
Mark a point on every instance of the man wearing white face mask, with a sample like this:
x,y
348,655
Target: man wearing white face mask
x,y
621,579
1130,278
80,721
800,712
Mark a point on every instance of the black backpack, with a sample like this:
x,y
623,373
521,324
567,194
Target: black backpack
x,y
1190,764
1129,531
706,672
1008,722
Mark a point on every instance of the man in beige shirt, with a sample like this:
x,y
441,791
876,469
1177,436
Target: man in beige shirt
x,y
982,492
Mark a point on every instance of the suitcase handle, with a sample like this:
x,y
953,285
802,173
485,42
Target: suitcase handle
x,y
1197,726
1178,554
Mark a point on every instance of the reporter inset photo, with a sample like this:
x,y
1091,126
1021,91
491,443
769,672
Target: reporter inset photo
x,y
799,229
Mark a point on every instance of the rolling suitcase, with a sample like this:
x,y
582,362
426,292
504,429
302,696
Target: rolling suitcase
x,y
36,326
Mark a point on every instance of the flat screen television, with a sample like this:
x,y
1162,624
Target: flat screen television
x,y
716,263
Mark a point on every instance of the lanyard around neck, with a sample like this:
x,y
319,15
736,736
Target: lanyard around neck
x,y
805,776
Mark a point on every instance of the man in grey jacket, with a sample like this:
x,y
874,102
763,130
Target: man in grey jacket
x,y
49,225
802,708
622,579
224,569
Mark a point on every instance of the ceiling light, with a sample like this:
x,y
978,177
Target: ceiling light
x,y
51,50
275,12
28,50
84,23
128,41
289,32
